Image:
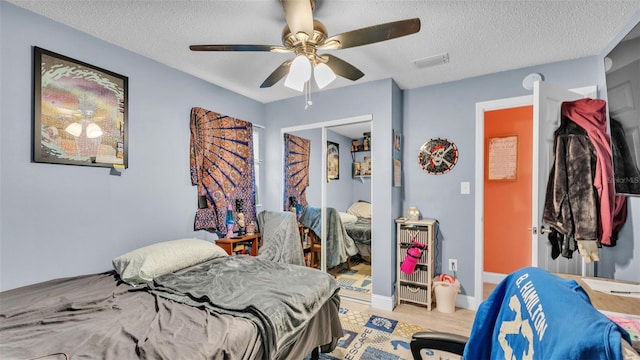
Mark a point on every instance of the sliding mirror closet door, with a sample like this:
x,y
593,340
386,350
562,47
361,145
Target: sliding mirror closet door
x,y
348,196
335,200
302,190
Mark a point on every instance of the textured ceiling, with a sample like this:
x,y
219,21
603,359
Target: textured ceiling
x,y
481,37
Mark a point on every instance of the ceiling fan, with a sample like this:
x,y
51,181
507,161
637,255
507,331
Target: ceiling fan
x,y
305,36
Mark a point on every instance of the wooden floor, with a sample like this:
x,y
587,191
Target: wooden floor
x,y
458,322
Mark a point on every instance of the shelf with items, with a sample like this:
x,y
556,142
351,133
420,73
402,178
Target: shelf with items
x,y
417,286
364,145
361,169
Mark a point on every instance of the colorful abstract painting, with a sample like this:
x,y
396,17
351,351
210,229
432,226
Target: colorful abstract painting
x,y
80,112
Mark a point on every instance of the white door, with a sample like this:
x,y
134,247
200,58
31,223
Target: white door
x,y
547,101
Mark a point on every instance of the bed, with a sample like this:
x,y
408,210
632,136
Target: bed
x,y
225,307
357,223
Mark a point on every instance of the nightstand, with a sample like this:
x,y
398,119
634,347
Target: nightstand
x,y
228,244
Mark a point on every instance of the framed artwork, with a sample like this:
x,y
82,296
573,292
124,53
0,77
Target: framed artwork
x,y
397,173
333,161
366,166
79,112
438,156
397,141
502,158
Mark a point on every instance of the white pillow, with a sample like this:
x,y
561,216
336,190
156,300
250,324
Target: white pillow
x,y
347,218
146,263
360,209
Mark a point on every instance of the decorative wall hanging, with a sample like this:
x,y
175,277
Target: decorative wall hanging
x,y
333,161
397,173
221,162
397,141
80,112
502,155
438,156
296,169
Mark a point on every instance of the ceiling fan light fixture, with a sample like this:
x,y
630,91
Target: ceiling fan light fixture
x,y
323,75
299,73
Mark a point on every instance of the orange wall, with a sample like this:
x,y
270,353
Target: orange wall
x,y
507,203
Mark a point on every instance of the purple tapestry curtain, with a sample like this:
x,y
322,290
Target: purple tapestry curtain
x,y
222,167
296,169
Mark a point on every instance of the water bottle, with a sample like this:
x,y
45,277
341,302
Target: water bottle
x,y
411,259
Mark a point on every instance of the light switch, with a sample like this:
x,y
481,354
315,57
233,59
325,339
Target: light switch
x,y
465,187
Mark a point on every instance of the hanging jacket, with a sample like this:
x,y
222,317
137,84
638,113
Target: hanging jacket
x,y
571,202
590,114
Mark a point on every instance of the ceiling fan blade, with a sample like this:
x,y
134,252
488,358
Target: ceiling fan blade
x,y
343,68
372,34
299,16
277,74
238,48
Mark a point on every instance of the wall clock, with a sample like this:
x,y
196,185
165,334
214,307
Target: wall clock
x,y
438,156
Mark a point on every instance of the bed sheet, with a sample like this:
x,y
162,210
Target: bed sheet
x,y
98,316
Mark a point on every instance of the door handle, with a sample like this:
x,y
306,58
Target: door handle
x,y
544,230
533,229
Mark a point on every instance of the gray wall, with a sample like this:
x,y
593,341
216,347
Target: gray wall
x,y
60,220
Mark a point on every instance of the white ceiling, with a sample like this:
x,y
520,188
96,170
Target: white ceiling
x,y
480,36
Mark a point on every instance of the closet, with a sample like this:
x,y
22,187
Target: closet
x,y
341,190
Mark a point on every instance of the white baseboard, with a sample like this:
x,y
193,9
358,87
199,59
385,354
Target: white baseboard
x,y
493,278
386,303
467,302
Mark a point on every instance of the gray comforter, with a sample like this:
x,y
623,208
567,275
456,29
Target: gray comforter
x,y
280,298
360,230
339,246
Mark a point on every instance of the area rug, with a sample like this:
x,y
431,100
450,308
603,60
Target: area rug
x,y
358,279
371,337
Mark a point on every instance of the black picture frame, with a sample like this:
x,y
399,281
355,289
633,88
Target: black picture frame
x,y
333,161
80,112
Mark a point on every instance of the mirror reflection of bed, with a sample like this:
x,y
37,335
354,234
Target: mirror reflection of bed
x,y
356,282
345,198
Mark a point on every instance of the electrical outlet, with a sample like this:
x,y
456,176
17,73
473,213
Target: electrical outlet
x,y
453,265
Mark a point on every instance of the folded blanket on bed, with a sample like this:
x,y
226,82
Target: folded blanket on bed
x,y
280,298
339,245
360,230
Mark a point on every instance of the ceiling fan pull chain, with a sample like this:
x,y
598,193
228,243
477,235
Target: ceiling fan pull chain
x,y
308,101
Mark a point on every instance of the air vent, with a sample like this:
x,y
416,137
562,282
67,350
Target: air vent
x,y
432,60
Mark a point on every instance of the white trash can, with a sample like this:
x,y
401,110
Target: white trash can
x,y
446,294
